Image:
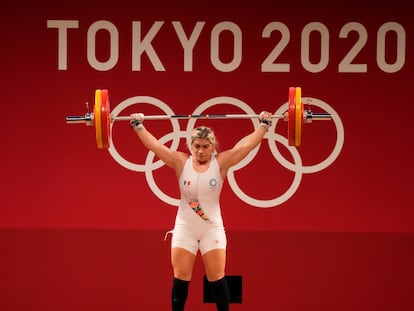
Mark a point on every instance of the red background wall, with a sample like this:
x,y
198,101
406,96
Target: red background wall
x,y
79,231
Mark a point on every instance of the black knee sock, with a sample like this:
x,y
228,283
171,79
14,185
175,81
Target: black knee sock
x,y
221,294
179,294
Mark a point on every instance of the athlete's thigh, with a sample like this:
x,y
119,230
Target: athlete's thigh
x,y
215,264
182,262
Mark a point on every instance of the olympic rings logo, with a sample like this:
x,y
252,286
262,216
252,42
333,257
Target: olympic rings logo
x,y
297,166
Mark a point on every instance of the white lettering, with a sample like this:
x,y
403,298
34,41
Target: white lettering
x,y
188,43
270,64
226,46
91,45
400,47
63,26
347,65
140,46
215,48
324,49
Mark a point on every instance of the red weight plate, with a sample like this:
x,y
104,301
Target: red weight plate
x,y
298,117
291,116
105,119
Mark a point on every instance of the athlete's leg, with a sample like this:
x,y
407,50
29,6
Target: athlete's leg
x,y
182,262
221,293
215,262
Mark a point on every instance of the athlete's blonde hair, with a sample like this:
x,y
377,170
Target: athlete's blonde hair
x,y
204,132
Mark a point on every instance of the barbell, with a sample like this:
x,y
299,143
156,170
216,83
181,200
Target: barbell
x,y
101,117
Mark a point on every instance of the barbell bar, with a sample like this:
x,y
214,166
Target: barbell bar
x,y
101,117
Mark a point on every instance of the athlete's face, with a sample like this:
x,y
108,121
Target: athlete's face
x,y
202,149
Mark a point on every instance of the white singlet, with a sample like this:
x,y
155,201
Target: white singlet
x,y
198,224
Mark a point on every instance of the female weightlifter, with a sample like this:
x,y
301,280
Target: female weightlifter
x,y
198,223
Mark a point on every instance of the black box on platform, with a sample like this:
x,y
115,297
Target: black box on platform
x,y
235,283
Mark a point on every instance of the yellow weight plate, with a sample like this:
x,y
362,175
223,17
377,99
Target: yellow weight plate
x,y
97,118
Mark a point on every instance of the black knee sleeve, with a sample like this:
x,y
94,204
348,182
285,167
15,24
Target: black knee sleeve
x,y
221,294
179,294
